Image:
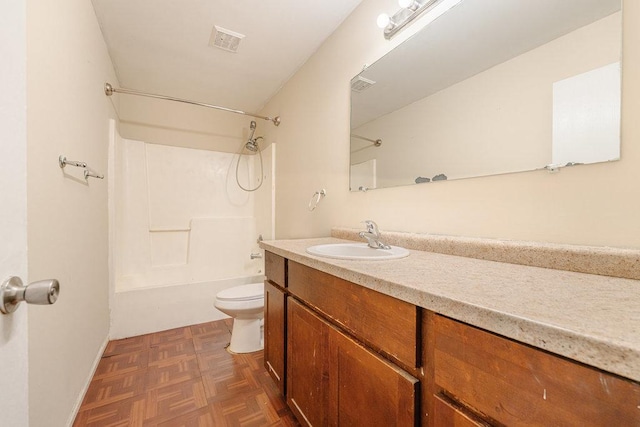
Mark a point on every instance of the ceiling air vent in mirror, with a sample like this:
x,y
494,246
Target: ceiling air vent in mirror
x,y
359,84
225,39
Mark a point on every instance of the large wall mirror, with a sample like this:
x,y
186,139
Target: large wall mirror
x,y
491,87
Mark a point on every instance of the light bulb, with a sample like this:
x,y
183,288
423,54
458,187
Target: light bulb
x,y
405,3
383,20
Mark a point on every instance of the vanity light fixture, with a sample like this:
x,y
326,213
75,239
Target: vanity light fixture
x,y
385,21
410,10
408,4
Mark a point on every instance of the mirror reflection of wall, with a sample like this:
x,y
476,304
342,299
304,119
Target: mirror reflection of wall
x,y
586,117
491,88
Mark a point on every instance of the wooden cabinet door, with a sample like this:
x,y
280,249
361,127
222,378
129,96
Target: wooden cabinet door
x,y
367,390
514,384
307,365
274,334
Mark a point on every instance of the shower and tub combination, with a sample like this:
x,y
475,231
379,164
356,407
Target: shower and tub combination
x,y
187,223
245,304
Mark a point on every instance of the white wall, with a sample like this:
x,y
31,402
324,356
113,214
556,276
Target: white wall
x,y
68,114
593,204
14,394
181,125
506,111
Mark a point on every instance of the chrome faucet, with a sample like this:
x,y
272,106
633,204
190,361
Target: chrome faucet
x,y
372,235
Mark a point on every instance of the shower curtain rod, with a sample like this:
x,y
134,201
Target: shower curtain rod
x,y
110,90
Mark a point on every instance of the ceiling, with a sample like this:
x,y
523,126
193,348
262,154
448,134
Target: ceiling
x,y
162,46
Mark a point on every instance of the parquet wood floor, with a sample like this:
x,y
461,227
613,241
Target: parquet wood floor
x,y
182,377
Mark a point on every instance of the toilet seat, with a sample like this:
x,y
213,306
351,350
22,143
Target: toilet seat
x,y
251,292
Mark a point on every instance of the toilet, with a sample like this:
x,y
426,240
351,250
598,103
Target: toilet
x,y
246,305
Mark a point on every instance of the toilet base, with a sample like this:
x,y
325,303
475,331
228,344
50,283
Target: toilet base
x,y
246,336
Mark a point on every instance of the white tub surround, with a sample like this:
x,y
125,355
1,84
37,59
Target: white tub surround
x,y
183,231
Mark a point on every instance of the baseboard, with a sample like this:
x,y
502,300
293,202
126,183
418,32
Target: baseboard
x,y
96,362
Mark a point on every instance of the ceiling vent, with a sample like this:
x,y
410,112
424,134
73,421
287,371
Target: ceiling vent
x,y
225,39
359,84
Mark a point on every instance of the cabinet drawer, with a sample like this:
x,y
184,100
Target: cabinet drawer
x,y
275,268
515,384
383,322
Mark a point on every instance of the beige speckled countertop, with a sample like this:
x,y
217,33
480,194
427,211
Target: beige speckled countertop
x,y
589,318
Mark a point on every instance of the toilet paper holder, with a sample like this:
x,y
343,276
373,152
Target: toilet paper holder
x,y
13,292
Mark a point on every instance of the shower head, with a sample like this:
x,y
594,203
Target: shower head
x,y
251,145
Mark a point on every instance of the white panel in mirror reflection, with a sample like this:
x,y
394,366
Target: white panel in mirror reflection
x,y
181,218
491,121
586,117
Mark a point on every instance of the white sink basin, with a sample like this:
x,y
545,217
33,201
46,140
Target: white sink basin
x,y
357,251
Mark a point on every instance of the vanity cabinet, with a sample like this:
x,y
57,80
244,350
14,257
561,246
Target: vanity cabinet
x,y
343,350
474,377
275,318
334,380
350,355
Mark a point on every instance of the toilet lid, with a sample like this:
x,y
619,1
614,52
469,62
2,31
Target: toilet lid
x,y
242,293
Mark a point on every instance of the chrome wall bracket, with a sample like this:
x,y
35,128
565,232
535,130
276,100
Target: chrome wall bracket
x,y
13,292
62,162
90,173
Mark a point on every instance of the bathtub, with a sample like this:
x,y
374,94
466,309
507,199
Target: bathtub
x,y
143,311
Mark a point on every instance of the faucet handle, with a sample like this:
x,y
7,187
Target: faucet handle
x,y
372,227
373,236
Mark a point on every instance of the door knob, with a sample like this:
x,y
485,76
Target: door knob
x,y
13,292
